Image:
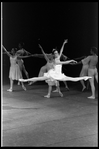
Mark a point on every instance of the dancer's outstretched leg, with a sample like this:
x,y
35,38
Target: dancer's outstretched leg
x,y
75,79
34,79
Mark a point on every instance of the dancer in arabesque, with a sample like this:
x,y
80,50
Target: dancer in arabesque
x,y
56,72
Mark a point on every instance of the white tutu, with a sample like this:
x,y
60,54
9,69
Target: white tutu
x,y
55,74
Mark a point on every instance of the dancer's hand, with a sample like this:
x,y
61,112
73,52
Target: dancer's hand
x,y
66,41
73,61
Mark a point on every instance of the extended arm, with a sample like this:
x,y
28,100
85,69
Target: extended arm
x,y
44,53
62,47
8,53
67,62
22,52
23,56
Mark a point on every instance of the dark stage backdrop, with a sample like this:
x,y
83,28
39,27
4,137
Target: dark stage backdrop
x,y
49,23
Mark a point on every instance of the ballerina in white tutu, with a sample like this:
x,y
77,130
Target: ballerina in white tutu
x,y
55,73
15,72
45,68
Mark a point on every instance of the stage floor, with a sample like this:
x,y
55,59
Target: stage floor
x,y
29,119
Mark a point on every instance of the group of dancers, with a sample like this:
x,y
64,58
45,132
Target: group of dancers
x,y
52,71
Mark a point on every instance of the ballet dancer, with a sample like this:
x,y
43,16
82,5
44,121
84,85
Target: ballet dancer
x,y
84,70
92,61
56,73
14,73
51,82
20,61
45,68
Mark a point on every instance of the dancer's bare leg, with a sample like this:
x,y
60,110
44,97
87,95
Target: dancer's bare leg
x,y
92,88
49,92
58,87
75,79
82,74
56,90
87,84
34,79
91,73
83,84
66,86
26,73
11,86
23,86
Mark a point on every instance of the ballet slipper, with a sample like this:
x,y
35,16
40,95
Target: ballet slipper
x,y
91,97
9,90
47,96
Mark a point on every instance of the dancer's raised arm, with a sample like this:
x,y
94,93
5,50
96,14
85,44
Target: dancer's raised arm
x,y
44,53
62,47
8,53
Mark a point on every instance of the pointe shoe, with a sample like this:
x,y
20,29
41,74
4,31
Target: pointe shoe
x,y
9,90
91,97
55,90
47,96
60,94
24,88
83,89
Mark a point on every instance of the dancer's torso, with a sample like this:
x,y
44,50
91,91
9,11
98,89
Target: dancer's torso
x,y
13,60
93,62
57,67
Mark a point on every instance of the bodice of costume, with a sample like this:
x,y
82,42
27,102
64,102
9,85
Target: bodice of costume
x,y
58,69
13,61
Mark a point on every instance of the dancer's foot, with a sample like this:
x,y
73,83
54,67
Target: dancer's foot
x,y
91,97
83,88
86,78
22,80
47,96
10,90
55,90
24,88
60,93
